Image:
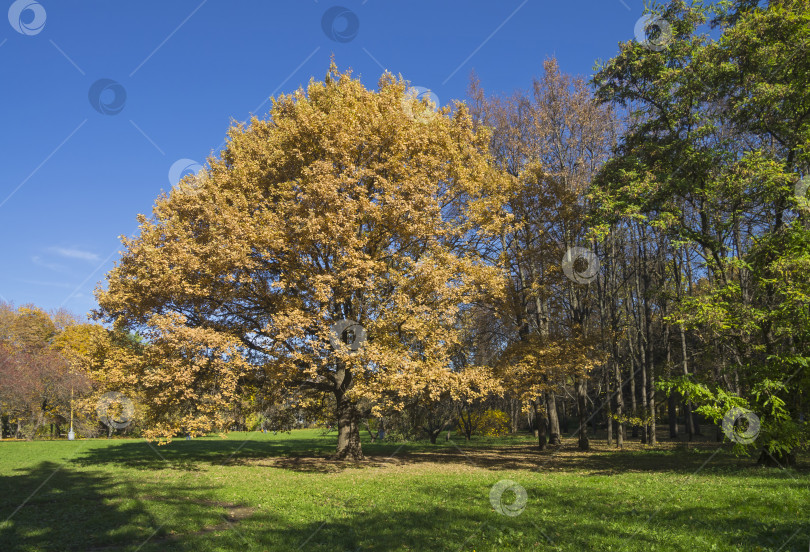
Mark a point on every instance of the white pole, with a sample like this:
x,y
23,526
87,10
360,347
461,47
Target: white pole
x,y
71,435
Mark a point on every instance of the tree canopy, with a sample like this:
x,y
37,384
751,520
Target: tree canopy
x,y
341,205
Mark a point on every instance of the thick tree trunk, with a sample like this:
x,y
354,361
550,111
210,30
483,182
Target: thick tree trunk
x,y
348,445
689,420
696,424
541,421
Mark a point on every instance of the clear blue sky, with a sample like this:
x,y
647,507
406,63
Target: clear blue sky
x,y
74,178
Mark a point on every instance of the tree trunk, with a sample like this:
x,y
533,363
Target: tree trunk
x,y
514,405
542,422
672,399
652,437
619,405
608,405
348,445
633,398
584,444
372,435
647,336
644,405
564,424
672,414
553,420
777,459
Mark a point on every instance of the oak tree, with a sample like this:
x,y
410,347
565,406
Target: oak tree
x,y
343,204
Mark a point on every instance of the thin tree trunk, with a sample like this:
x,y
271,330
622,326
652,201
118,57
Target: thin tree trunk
x,y
642,352
515,411
689,422
619,405
581,389
608,406
553,419
632,358
614,326
564,425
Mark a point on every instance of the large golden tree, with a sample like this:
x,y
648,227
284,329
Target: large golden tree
x,y
344,204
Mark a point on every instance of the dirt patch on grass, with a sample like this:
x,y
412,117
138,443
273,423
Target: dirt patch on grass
x,y
601,459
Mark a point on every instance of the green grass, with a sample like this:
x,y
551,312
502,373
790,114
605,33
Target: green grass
x,y
281,492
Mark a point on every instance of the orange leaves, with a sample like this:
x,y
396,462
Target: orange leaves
x,y
338,206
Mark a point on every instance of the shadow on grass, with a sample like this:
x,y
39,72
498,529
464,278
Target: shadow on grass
x,y
574,518
188,455
69,508
54,506
312,455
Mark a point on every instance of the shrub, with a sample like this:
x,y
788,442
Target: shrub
x,y
491,423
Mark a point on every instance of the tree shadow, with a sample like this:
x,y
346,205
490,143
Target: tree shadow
x,y
54,506
575,518
100,508
314,456
190,455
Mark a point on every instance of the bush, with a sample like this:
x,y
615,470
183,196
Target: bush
x,y
491,423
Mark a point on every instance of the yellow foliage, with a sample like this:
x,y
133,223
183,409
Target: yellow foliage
x,y
492,423
528,368
339,205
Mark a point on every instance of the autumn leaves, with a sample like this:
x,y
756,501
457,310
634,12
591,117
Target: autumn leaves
x,y
340,213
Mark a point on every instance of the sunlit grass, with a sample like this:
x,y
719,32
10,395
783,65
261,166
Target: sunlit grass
x,y
281,492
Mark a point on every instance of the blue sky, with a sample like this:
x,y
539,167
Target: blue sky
x,y
74,177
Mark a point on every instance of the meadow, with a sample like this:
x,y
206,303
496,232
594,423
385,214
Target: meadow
x,y
270,492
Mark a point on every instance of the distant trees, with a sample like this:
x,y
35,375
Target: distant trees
x,y
35,380
550,141
107,359
50,365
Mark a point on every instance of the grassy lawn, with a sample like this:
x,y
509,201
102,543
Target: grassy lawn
x,y
280,492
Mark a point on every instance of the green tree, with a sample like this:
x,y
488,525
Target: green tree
x,y
716,148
